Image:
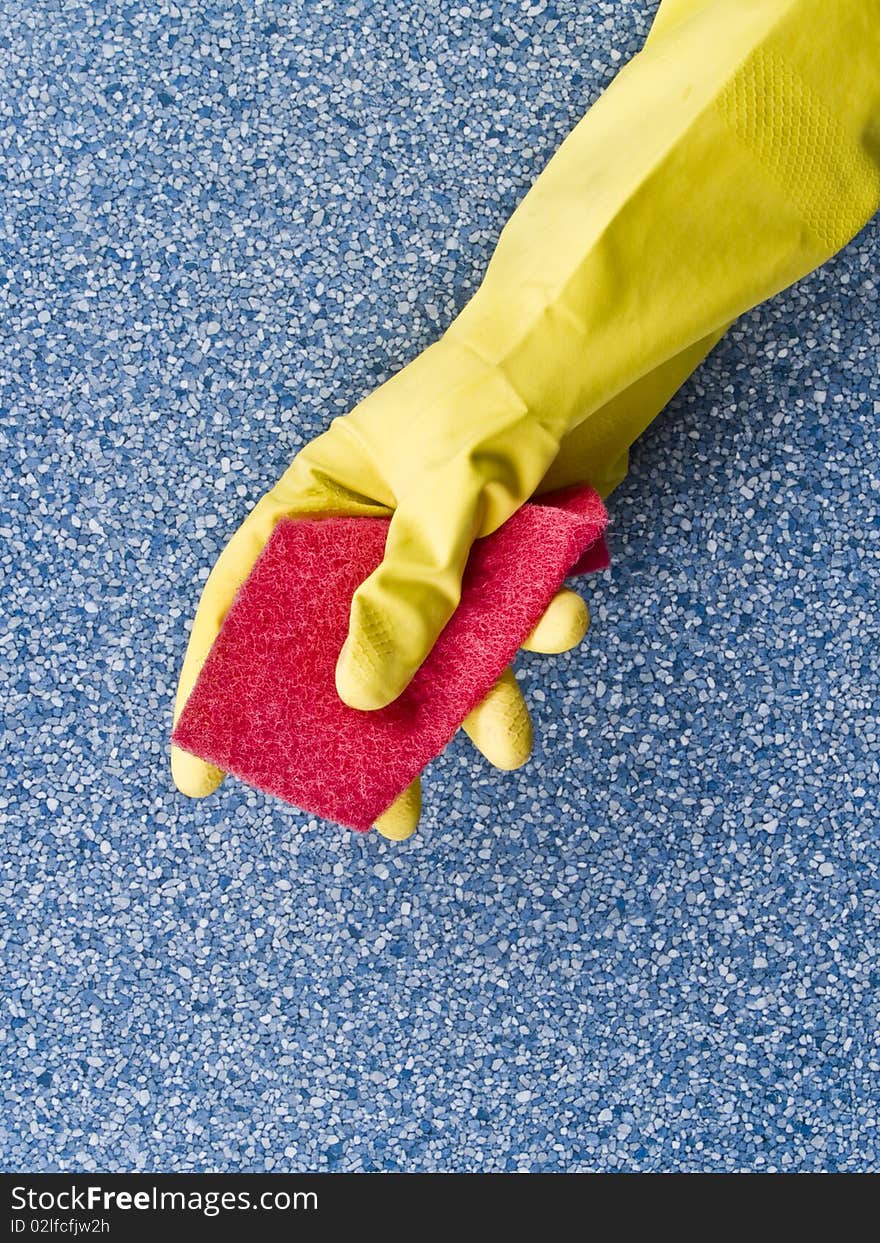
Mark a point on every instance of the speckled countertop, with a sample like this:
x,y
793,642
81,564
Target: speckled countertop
x,y
653,948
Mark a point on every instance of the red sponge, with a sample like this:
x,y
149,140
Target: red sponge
x,y
265,706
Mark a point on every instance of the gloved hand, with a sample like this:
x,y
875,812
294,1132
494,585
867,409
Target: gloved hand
x,y
733,155
500,727
335,474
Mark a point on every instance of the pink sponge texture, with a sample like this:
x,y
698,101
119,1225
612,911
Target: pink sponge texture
x,y
265,705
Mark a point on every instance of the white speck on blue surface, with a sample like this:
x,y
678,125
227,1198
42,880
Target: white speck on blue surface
x,y
653,948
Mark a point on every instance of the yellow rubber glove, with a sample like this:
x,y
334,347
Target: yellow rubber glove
x,y
733,155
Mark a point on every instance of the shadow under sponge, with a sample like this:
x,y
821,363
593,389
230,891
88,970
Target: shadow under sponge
x,y
265,706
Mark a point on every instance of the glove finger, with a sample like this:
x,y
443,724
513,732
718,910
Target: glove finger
x,y
398,612
194,777
401,819
565,622
500,727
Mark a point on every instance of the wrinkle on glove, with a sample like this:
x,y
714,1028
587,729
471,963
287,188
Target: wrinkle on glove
x,y
265,706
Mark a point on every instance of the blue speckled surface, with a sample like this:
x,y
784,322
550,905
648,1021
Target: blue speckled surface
x,y
654,948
